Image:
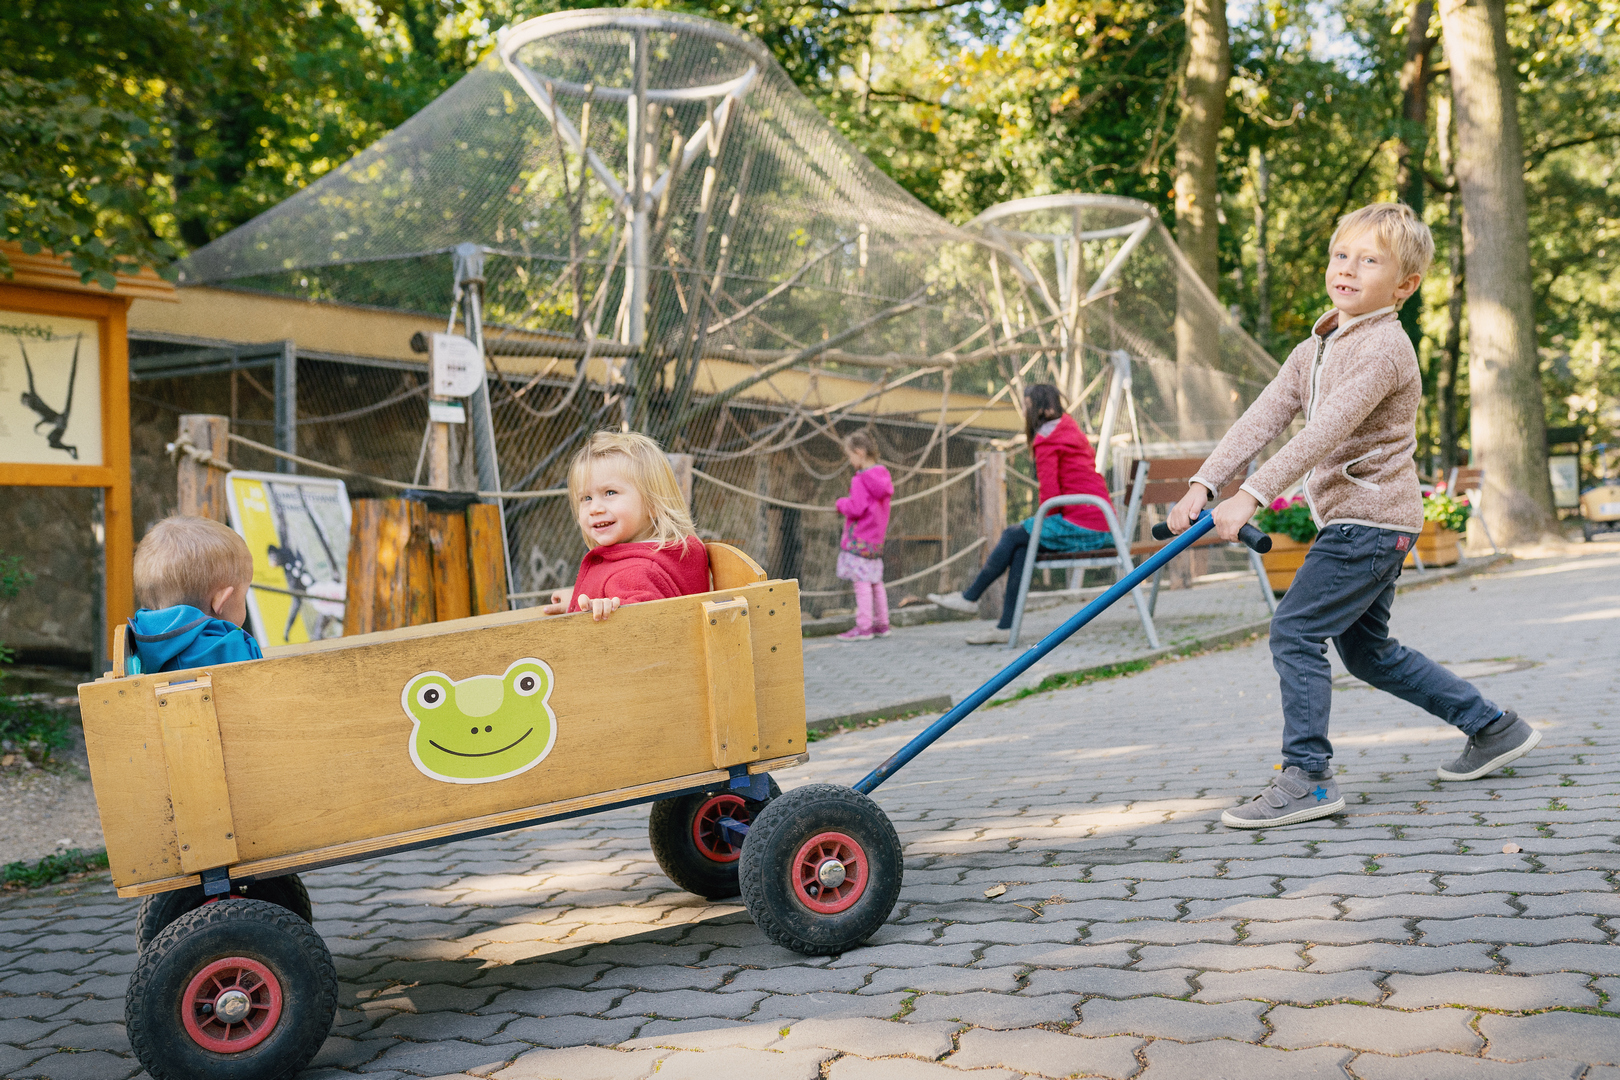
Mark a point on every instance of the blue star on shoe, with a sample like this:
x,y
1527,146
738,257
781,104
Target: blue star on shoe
x,y
1320,793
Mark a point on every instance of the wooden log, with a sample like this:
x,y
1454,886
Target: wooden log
x,y
202,487
447,547
486,558
360,589
418,565
393,536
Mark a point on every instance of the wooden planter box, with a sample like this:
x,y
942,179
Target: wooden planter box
x,y
1436,546
1283,561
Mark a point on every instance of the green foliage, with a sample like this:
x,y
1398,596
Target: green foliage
x,y
52,868
33,732
1290,517
1449,513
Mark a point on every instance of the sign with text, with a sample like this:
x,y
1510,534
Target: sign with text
x,y
458,366
50,390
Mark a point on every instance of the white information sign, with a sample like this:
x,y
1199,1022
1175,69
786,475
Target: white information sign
x,y
50,390
458,367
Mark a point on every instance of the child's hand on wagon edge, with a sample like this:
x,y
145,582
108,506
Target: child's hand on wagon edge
x,y
601,607
561,600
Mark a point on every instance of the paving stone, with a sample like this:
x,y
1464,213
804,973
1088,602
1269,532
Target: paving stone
x,y
1159,932
755,1036
800,980
1110,982
14,1058
1407,906
23,1031
659,977
735,1061
1364,1028
1267,908
1117,954
1551,1035
948,980
854,1068
1438,1066
1506,992
795,1007
1518,931
680,1004
442,1056
1047,1053
1186,1021
1534,959
1224,1060
1200,888
873,1038
95,1065
1359,885
583,1063
1579,880
906,955
1293,987
554,1001
998,1011
1329,931
1219,957
1412,959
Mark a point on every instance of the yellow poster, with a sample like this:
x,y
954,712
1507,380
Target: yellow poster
x,y
297,530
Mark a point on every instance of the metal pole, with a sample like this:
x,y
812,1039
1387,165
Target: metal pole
x,y
1051,641
1117,386
287,405
639,223
470,278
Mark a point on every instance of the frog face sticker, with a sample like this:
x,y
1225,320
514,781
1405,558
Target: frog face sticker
x,y
486,728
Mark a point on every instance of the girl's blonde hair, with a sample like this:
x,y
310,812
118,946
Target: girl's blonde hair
x,y
649,473
863,441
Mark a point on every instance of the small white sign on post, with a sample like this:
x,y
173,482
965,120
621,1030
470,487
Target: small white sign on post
x,y
458,367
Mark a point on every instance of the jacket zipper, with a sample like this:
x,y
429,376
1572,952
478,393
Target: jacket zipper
x,y
1310,410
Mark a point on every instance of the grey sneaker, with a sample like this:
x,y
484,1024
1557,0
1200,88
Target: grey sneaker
x,y
955,602
1505,739
1292,797
988,637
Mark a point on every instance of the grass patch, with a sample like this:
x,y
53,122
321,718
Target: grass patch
x,y
1077,678
30,730
51,869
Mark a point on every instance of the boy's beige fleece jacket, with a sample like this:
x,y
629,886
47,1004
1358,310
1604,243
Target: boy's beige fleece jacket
x,y
1359,390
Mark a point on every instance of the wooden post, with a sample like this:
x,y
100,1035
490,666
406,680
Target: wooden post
x,y
360,591
682,465
992,487
486,558
419,590
438,454
447,542
202,487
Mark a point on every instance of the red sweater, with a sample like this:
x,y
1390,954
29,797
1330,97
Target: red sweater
x,y
1065,464
639,571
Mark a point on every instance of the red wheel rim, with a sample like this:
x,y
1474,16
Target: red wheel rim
x,y
706,832
816,880
231,1005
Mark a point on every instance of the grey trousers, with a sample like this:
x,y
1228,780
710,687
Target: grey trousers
x,y
1344,592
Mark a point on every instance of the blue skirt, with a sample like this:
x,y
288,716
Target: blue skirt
x,y
1058,533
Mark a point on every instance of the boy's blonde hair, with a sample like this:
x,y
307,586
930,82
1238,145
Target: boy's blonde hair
x,y
649,472
186,560
1398,230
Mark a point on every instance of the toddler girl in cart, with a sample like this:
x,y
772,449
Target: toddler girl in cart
x,y
860,549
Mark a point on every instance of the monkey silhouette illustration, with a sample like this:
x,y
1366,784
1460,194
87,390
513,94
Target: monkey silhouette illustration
x,y
46,414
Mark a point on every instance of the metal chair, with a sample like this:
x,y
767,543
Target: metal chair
x,y
1118,558
1471,480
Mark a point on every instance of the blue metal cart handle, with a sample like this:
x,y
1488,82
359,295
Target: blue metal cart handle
x,y
1250,535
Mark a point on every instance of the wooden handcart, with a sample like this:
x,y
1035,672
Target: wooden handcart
x,y
217,786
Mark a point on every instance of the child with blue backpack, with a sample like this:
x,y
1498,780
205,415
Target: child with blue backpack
x,y
191,579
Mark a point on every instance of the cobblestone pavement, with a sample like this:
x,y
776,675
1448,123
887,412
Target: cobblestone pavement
x,y
846,678
1135,937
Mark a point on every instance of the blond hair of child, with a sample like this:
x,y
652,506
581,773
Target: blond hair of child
x,y
1398,230
189,560
647,468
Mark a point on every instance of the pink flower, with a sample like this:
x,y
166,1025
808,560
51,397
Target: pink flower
x,y
1299,500
1280,504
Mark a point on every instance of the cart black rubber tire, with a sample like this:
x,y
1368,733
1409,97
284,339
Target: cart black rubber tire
x,y
161,909
257,930
774,841
669,828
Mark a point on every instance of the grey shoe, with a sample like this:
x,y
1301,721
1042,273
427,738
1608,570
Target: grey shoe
x,y
1505,739
988,637
954,601
1292,797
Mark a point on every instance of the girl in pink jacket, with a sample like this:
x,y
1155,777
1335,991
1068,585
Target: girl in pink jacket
x,y
860,550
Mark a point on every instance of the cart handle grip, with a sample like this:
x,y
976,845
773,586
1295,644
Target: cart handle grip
x,y
1250,535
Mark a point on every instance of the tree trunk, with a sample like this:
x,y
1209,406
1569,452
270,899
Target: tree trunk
x,y
1445,380
1409,155
1203,110
1508,425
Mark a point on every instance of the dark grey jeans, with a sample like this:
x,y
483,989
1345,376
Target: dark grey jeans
x,y
1344,592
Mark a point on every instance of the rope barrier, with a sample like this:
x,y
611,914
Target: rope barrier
x,y
964,474
184,445
976,545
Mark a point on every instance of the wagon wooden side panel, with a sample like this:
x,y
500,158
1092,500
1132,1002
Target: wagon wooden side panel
x,y
359,745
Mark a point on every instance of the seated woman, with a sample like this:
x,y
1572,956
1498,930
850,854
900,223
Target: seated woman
x,y
1065,464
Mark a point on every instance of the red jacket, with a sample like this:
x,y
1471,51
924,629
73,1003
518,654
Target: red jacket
x,y
638,572
1065,464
